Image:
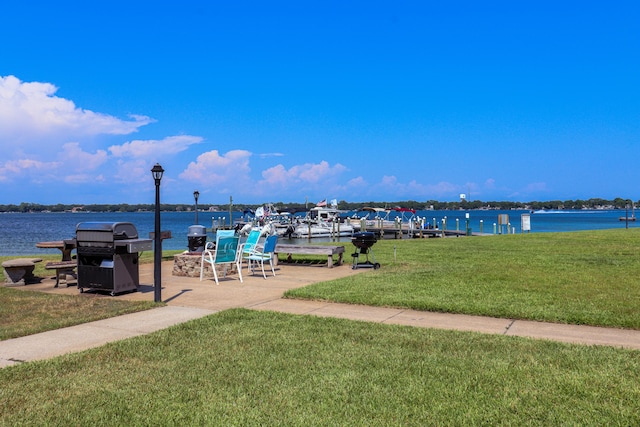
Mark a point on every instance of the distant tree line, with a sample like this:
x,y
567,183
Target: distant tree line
x,y
35,207
594,203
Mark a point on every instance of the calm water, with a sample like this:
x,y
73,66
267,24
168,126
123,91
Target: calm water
x,y
19,233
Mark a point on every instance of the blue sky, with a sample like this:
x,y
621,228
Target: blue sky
x,y
305,100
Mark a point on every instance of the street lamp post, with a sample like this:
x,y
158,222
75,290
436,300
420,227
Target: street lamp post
x,y
157,172
196,194
626,216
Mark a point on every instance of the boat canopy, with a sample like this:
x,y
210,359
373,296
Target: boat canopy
x,y
399,209
396,209
370,209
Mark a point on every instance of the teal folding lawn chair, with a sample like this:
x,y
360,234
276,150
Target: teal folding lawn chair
x,y
252,241
225,253
260,255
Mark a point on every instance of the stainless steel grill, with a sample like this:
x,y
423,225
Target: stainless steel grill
x,y
108,254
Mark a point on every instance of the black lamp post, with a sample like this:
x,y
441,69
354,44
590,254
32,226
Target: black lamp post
x,y
157,172
196,194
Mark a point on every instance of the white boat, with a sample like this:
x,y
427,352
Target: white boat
x,y
281,222
321,221
307,229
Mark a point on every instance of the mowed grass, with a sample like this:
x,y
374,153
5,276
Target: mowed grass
x,y
24,312
590,277
241,367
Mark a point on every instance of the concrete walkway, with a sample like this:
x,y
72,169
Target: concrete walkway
x,y
188,299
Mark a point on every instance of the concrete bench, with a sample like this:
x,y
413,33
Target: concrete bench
x,y
329,251
65,268
19,271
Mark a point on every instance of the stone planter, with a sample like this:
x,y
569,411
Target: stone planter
x,y
188,264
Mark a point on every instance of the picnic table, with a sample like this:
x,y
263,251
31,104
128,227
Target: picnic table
x,y
65,246
65,267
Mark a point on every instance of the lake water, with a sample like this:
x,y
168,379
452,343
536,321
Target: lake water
x,y
19,232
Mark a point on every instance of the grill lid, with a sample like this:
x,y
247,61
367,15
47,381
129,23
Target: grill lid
x,y
364,239
119,230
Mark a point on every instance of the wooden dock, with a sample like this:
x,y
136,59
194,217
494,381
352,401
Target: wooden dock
x,y
427,233
394,233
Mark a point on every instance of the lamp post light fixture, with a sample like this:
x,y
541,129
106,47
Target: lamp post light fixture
x,y
157,172
196,194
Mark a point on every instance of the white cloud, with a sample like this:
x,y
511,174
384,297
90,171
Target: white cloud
x,y
30,111
212,169
358,182
231,173
392,187
308,173
29,170
72,160
306,179
314,173
268,155
72,154
535,187
490,184
155,148
37,127
132,171
278,175
83,179
444,189
356,186
21,166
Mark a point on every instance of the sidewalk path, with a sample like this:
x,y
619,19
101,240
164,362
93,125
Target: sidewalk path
x,y
54,343
188,299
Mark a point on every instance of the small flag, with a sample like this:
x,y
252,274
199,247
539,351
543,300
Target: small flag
x,y
322,203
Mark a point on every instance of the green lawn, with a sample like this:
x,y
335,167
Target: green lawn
x,y
590,277
26,312
23,312
241,367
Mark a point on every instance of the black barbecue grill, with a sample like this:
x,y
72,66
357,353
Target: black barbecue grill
x,y
363,242
107,255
